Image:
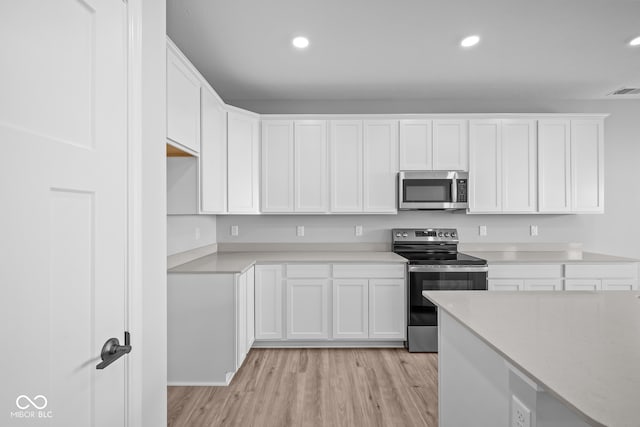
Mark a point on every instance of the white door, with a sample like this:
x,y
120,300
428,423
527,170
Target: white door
x,y
308,309
554,177
450,144
519,166
587,165
345,152
183,102
387,307
268,306
350,309
242,162
310,166
277,166
380,165
63,186
485,166
213,154
416,145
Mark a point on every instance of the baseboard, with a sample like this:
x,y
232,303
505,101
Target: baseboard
x,y
198,383
328,344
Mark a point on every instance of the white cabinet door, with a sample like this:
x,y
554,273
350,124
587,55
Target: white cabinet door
x,y
183,103
277,166
350,309
619,284
213,154
268,302
506,284
554,177
310,165
380,165
543,284
387,309
450,144
416,145
519,166
243,162
587,165
485,168
346,155
308,309
241,319
583,285
251,297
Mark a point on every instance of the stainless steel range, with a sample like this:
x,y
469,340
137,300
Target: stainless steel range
x,y
434,264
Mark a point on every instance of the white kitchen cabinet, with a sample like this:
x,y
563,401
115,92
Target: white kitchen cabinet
x,y
241,319
183,101
525,277
610,276
387,309
308,309
450,144
345,164
380,166
583,285
587,166
350,309
251,298
213,154
554,165
310,166
503,166
416,145
505,284
268,302
543,285
242,161
277,166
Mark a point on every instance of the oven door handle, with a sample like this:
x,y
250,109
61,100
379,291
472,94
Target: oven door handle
x,y
448,268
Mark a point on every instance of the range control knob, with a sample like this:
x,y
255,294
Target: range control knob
x,y
446,235
440,234
398,234
453,234
405,234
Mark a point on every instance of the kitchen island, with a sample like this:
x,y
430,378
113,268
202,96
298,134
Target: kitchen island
x,y
554,358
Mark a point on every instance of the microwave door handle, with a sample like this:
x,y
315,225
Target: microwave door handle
x,y
454,190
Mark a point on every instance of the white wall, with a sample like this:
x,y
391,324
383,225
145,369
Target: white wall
x,y
615,232
181,232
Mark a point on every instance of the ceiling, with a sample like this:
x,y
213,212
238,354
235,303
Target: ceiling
x,y
409,49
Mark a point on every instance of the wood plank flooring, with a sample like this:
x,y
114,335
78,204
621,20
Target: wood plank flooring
x,y
317,387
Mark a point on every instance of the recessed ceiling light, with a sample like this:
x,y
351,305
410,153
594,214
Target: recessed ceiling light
x,y
470,41
300,42
635,42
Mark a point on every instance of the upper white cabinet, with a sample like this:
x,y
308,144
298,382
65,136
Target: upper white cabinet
x,y
416,145
277,166
587,165
345,165
450,144
554,165
213,154
502,166
242,161
294,166
183,101
380,165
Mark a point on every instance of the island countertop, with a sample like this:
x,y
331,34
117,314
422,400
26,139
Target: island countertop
x,y
582,347
238,262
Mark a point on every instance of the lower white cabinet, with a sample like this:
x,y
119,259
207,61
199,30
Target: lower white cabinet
x,y
244,315
308,309
327,302
602,277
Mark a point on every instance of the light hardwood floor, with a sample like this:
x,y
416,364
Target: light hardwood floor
x,y
317,387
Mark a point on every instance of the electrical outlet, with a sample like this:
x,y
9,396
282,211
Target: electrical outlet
x,y
520,414
234,230
482,230
300,231
358,230
533,230
197,233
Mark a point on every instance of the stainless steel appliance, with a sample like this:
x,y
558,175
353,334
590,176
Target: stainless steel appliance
x,y
434,264
434,190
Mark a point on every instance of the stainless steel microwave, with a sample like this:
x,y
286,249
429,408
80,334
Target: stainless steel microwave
x,y
434,190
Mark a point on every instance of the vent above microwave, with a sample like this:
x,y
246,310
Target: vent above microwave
x,y
626,91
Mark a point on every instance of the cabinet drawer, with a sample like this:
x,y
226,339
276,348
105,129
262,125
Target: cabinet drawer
x,y
369,271
505,284
309,270
609,271
525,271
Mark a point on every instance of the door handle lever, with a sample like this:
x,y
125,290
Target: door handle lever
x,y
112,350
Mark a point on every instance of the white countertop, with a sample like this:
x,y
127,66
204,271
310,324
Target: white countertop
x,y
534,257
238,262
582,347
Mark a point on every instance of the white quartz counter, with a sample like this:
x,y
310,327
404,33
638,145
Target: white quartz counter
x,y
534,257
238,262
582,347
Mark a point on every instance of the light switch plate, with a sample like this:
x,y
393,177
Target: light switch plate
x,y
300,231
358,230
482,230
234,230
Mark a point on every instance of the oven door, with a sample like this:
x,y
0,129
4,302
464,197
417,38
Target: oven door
x,y
421,311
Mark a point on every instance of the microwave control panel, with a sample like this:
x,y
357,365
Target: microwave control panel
x,y
462,190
